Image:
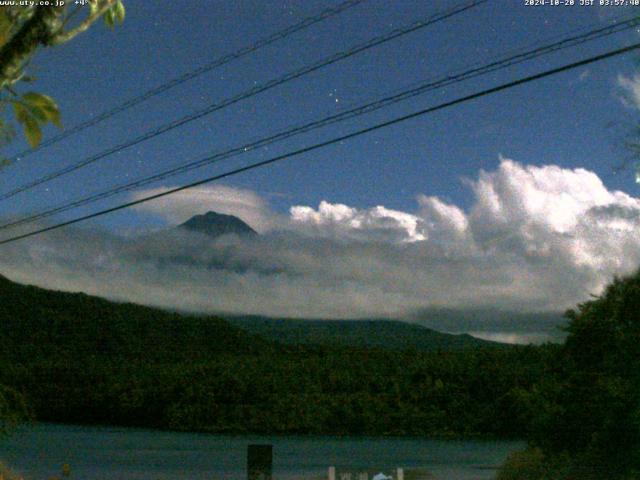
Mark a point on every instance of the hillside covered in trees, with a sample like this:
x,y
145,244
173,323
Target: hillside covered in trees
x,y
78,358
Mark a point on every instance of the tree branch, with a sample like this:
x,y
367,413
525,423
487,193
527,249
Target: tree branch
x,y
35,31
64,37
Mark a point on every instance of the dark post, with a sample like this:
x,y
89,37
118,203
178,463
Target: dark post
x,y
259,462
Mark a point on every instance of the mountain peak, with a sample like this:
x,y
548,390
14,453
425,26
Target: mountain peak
x,y
215,224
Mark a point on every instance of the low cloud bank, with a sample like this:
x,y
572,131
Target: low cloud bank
x,y
535,239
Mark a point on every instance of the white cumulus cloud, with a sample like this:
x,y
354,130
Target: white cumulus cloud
x,y
373,224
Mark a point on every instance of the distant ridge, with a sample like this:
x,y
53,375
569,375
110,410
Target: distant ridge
x,y
215,224
378,334
60,322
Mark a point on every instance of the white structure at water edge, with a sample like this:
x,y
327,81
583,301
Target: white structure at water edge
x,y
363,475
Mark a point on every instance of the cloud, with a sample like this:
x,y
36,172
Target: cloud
x,y
179,207
585,74
630,89
340,221
536,238
550,212
509,337
444,224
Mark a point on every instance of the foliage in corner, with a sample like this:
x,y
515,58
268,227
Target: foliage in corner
x,y
586,419
115,15
24,29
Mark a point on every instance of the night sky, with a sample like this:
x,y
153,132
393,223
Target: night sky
x,y
572,120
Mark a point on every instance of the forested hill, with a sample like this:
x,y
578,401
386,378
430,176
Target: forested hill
x,y
36,323
379,334
81,359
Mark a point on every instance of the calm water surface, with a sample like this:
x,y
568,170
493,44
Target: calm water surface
x,y
100,453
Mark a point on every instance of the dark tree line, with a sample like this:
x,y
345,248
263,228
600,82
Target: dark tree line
x,y
584,419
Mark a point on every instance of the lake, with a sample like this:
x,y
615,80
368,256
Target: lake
x,y
100,453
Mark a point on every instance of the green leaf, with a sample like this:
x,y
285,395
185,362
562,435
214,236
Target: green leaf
x,y
119,11
109,18
20,111
43,107
32,131
35,98
53,115
38,114
29,123
115,14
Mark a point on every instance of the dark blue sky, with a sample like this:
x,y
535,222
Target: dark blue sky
x,y
572,120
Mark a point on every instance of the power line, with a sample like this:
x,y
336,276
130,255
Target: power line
x,y
396,33
174,82
333,141
443,81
